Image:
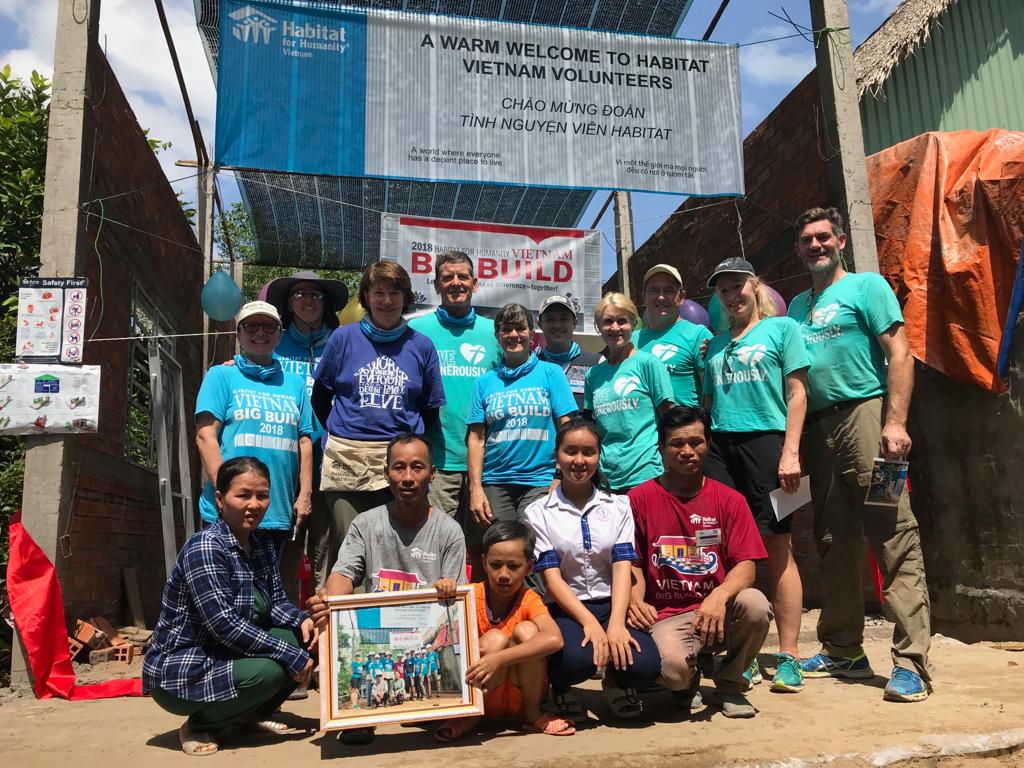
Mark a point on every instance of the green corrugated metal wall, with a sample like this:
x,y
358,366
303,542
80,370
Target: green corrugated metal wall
x,y
969,75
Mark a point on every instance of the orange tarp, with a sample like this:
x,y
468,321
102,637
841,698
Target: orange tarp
x,y
949,220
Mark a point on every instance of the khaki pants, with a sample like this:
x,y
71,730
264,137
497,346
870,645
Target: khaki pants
x,y
839,449
449,491
746,626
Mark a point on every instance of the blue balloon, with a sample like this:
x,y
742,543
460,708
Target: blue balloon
x,y
221,298
695,313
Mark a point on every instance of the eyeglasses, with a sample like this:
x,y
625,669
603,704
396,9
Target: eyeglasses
x,y
253,327
301,294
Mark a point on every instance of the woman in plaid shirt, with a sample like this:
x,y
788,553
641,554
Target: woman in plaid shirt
x,y
229,647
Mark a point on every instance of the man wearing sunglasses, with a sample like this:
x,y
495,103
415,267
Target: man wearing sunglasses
x,y
861,379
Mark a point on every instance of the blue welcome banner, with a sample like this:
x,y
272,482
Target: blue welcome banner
x,y
291,89
390,94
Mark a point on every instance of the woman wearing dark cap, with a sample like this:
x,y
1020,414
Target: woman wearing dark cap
x,y
308,305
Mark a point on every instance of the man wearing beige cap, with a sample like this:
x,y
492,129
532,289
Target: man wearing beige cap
x,y
670,338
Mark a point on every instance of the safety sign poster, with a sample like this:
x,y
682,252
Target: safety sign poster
x,y
48,399
51,319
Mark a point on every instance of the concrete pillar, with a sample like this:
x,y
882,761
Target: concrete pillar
x,y
204,234
50,466
843,141
624,244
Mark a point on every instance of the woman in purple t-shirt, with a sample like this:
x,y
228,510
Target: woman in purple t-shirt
x,y
376,379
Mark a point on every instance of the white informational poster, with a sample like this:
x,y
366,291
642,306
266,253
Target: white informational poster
x,y
51,319
513,262
49,399
413,615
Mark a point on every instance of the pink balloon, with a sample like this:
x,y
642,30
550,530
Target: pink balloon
x,y
695,313
777,300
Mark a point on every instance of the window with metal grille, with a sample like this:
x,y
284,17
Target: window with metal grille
x,y
146,323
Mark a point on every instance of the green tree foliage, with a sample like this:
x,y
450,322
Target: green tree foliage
x,y
244,247
24,121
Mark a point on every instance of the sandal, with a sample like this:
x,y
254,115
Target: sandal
x,y
196,743
623,702
550,725
455,729
273,727
355,737
567,706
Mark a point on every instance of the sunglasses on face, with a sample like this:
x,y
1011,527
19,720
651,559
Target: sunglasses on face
x,y
301,294
252,327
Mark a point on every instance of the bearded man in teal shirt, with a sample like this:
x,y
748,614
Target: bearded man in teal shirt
x,y
860,382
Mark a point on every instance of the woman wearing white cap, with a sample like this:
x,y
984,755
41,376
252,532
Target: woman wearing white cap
x,y
755,384
255,408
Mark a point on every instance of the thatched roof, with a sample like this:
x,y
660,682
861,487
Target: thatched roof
x,y
909,26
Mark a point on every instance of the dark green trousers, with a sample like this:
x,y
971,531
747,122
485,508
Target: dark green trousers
x,y
263,685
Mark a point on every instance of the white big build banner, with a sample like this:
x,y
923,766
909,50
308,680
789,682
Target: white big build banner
x,y
514,263
366,92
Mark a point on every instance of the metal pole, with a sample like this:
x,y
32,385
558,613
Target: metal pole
x,y
624,238
843,138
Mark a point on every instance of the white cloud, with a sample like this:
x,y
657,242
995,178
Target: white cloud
x,y
776,63
131,35
874,6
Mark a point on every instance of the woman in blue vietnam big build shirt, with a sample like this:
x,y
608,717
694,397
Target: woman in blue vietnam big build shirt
x,y
755,383
255,408
510,439
377,379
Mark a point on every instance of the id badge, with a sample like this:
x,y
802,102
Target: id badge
x,y
709,537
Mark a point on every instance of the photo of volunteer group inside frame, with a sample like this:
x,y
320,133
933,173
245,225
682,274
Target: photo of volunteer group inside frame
x,y
397,657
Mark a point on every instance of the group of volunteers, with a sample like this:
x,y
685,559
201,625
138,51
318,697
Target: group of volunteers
x,y
613,507
384,680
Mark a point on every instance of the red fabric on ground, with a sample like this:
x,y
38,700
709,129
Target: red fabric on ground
x,y
38,609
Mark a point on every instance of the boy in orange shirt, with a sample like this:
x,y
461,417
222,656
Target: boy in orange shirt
x,y
517,634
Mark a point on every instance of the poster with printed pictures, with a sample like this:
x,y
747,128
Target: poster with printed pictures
x,y
49,399
888,478
397,657
51,319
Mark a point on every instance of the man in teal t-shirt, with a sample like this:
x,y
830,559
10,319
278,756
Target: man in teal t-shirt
x,y
860,383
467,350
625,399
670,338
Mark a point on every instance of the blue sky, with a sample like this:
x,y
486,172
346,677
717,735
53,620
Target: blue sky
x,y
130,33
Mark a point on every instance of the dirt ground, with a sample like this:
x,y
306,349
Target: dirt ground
x,y
975,719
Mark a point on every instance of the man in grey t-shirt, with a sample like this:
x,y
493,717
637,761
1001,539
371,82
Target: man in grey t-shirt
x,y
402,545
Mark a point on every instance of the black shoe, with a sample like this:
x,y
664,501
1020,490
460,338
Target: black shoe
x,y
355,737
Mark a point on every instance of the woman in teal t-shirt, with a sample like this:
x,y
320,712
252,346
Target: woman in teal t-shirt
x,y
510,435
626,393
755,384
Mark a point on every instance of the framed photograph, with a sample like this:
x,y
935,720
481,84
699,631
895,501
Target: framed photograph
x,y
397,657
888,479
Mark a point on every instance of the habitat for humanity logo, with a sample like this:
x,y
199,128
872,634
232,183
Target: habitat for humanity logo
x,y
252,26
625,384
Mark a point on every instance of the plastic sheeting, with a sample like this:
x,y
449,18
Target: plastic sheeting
x,y
949,221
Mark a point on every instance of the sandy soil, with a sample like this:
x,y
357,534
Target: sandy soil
x,y
978,708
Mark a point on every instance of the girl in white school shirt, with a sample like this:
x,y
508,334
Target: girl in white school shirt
x,y
584,549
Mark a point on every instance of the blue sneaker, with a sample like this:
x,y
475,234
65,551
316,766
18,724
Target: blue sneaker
x,y
905,685
852,667
788,676
752,674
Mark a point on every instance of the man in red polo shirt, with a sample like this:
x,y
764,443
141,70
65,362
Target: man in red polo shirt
x,y
697,542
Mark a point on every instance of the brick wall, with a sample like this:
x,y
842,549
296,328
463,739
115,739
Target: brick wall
x,y
115,511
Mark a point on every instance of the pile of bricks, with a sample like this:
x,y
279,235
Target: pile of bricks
x,y
104,643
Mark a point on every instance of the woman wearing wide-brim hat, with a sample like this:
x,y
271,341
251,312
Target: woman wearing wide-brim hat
x,y
308,305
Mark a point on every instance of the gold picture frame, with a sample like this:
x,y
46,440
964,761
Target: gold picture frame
x,y
406,625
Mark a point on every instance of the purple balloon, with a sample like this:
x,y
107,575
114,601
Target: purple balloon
x,y
777,300
695,313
